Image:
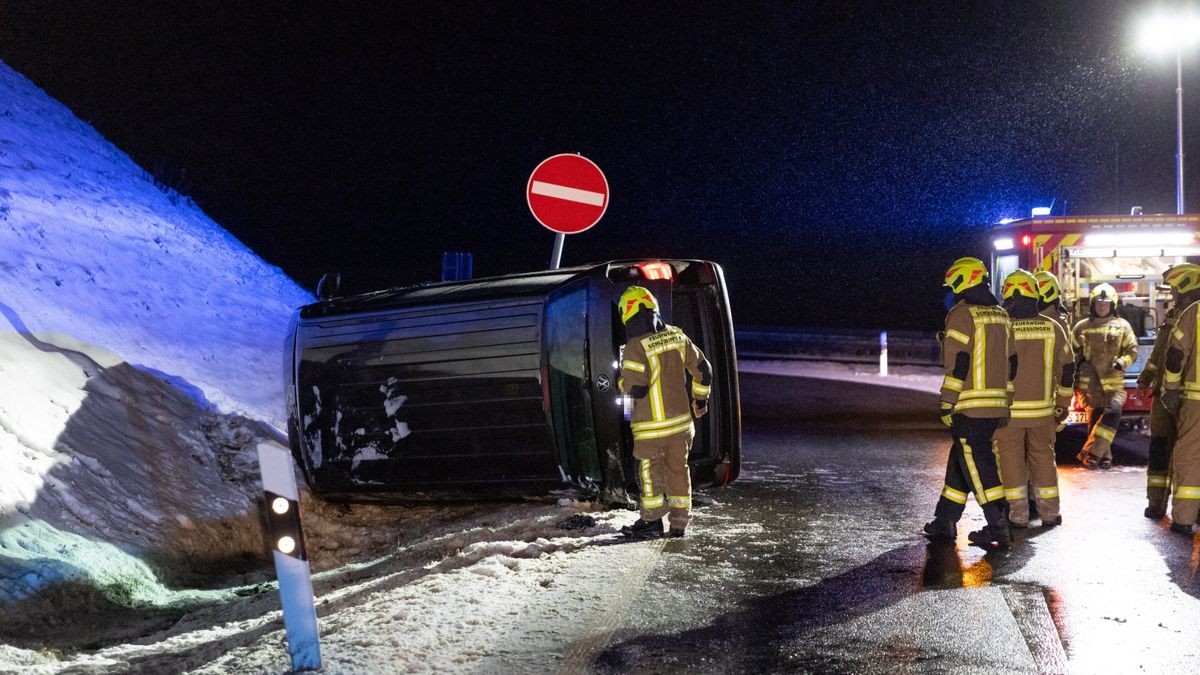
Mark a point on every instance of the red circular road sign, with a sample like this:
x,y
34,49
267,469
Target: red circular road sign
x,y
567,193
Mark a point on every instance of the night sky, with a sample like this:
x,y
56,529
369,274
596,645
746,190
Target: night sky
x,y
833,156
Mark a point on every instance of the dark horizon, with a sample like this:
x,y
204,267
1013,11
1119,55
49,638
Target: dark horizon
x,y
834,157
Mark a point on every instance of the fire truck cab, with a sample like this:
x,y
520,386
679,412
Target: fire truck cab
x,y
1129,252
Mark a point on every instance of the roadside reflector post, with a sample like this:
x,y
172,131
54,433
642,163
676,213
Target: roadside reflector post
x,y
883,371
291,559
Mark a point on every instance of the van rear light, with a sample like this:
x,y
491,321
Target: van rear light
x,y
656,270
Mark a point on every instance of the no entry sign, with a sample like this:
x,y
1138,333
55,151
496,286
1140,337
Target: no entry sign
x,y
567,193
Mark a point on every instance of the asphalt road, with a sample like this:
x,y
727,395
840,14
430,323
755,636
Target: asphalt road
x,y
813,561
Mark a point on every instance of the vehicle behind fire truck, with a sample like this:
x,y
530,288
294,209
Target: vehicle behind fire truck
x,y
1129,252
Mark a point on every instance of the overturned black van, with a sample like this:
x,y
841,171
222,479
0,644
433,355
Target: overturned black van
x,y
495,387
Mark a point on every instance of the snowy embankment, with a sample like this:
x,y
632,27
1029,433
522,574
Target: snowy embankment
x,y
140,359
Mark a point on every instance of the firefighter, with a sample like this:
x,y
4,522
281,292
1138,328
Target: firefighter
x,y
1104,348
980,362
1042,391
1174,443
1162,423
655,366
1050,300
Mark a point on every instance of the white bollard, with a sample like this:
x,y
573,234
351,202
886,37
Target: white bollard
x,y
291,560
883,354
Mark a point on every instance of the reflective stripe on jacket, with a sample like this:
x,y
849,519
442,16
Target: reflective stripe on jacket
x,y
983,333
1152,373
1102,341
1043,351
1184,338
660,361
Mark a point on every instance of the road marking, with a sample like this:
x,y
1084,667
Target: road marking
x,y
568,193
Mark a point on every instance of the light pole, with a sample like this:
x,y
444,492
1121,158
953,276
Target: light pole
x,y
1163,33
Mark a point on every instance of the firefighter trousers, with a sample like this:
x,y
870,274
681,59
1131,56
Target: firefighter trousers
x,y
972,468
1026,459
665,479
1185,464
1162,442
1104,416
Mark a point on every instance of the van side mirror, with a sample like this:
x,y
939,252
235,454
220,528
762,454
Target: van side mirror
x,y
330,286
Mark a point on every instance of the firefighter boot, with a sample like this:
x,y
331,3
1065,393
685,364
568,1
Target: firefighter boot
x,y
941,529
642,529
996,534
1155,512
674,533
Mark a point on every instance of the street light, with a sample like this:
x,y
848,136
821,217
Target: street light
x,y
1163,33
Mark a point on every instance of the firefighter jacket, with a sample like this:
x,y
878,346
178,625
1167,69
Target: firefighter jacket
x,y
1101,342
1045,370
1051,312
979,356
658,363
1151,376
1181,366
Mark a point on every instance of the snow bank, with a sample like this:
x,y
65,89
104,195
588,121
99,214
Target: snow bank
x,y
140,362
90,247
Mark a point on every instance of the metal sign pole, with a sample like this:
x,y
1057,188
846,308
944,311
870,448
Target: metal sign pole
x,y
291,560
556,254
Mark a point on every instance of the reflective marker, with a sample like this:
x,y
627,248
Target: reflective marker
x,y
291,561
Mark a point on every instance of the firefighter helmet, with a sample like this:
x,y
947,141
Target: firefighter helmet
x,y
1048,288
1184,277
1020,283
965,273
633,299
1105,292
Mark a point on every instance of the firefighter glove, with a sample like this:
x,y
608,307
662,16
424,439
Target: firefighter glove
x,y
699,408
1118,364
1144,380
1170,400
947,412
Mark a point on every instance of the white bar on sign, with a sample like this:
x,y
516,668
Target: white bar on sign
x,y
568,193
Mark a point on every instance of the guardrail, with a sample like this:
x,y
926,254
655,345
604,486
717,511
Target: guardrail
x,y
911,348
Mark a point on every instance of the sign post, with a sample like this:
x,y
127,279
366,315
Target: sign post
x,y
291,559
567,194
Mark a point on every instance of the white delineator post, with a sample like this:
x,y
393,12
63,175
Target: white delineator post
x,y
291,559
883,354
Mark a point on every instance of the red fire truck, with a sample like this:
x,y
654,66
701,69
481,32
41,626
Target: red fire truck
x,y
1129,252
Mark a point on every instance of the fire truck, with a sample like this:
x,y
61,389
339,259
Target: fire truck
x,y
1129,252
